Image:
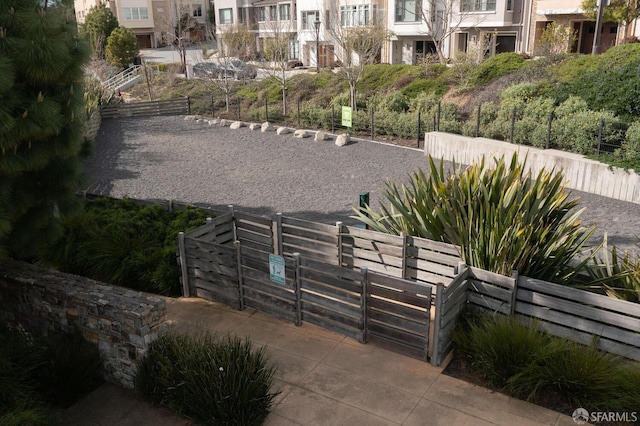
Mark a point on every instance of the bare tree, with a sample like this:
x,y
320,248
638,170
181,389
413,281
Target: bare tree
x,y
443,18
276,47
233,41
358,44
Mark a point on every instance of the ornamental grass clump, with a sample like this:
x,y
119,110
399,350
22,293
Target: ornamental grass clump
x,y
214,382
502,217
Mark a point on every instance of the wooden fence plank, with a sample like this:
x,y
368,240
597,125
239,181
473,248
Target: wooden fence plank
x,y
400,296
397,346
400,284
208,247
492,277
212,267
490,290
432,245
434,268
355,332
311,234
276,290
416,327
605,302
217,297
253,227
354,275
330,291
332,308
433,256
375,246
257,246
578,309
251,218
305,224
368,234
376,257
407,311
590,326
409,339
244,235
489,303
213,281
301,244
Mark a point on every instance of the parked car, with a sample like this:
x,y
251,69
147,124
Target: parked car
x,y
240,70
236,68
206,69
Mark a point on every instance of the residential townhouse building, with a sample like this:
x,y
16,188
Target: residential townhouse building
x,y
154,22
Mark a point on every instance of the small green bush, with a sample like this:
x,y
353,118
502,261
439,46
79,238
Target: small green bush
x,y
394,101
578,132
585,375
72,368
496,66
630,149
123,244
213,382
423,85
499,347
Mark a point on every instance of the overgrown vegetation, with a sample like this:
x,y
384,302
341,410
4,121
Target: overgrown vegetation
x,y
122,243
38,372
214,382
501,216
531,364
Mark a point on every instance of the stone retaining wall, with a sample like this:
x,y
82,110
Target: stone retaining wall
x,y
122,322
580,172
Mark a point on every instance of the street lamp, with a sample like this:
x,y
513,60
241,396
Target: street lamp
x,y
317,27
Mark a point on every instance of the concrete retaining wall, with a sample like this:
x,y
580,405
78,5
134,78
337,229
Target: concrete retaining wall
x,y
580,173
122,322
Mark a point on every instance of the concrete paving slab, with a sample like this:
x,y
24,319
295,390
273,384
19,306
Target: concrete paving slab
x,y
280,337
367,394
433,414
393,369
488,405
305,407
110,405
290,367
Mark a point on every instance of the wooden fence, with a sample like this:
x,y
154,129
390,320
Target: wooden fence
x,y
563,311
178,106
334,276
234,248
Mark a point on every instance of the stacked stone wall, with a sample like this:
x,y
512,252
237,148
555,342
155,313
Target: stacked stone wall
x,y
121,321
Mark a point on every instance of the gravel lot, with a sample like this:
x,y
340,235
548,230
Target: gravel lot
x,y
263,173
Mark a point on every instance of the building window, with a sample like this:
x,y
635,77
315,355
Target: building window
x,y
135,13
407,10
226,16
478,5
261,14
308,19
242,15
356,15
196,10
273,13
285,12
509,4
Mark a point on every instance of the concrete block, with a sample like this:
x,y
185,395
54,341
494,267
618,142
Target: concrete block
x,y
283,130
236,125
300,134
320,136
342,140
266,126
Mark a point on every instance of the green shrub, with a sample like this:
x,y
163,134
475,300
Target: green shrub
x,y
71,368
502,217
583,374
214,382
19,360
630,149
380,77
423,85
578,132
499,347
394,101
123,244
496,66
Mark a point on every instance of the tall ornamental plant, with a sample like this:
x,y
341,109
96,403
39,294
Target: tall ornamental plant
x,y
501,216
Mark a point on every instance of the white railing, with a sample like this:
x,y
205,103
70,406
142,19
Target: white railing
x,y
122,78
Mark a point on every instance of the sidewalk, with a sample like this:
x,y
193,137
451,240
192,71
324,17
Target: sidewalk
x,y
325,379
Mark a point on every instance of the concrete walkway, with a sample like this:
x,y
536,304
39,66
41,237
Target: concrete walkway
x,y
325,379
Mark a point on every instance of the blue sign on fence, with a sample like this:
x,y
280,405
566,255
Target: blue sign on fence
x,y
276,269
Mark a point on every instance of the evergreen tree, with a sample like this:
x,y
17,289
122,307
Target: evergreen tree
x,y
41,121
122,47
98,25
